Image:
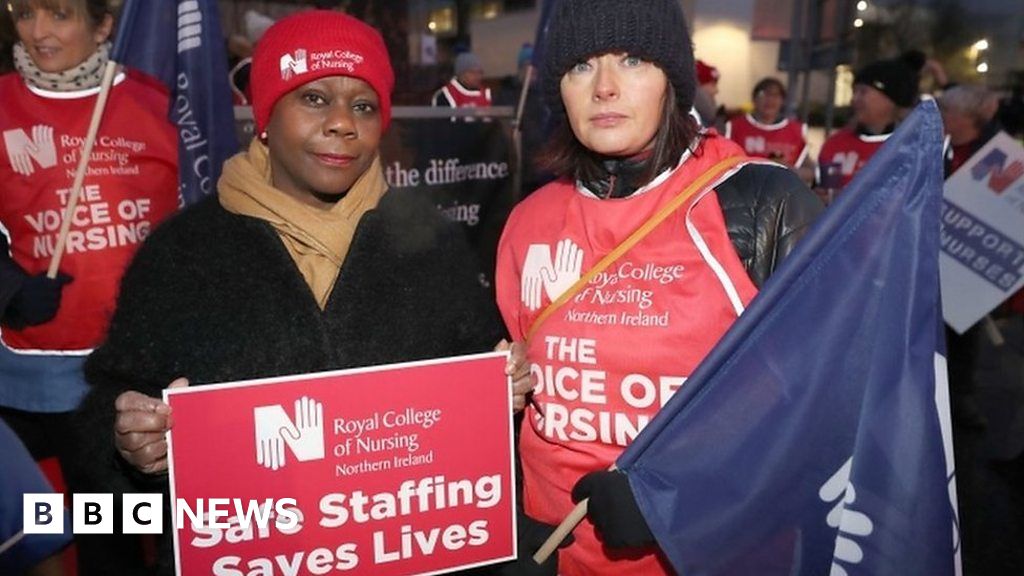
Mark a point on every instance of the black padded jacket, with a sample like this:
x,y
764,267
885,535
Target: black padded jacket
x,y
767,209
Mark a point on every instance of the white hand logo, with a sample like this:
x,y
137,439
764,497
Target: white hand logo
x,y
555,278
291,66
43,149
21,150
838,489
22,163
274,430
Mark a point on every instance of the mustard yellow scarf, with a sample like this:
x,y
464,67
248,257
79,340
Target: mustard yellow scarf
x,y
317,240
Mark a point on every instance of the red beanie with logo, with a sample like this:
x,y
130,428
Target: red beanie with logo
x,y
312,44
706,73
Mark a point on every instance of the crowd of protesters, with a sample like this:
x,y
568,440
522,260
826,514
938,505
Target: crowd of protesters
x,y
338,271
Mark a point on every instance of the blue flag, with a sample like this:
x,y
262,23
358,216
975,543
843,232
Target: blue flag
x,y
814,439
180,43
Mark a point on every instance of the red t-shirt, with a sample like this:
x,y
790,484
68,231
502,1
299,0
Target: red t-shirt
x,y
785,141
459,96
843,154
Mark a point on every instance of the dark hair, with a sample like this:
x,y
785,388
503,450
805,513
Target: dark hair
x,y
564,155
765,83
94,11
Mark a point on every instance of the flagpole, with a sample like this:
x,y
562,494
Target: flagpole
x,y
523,92
83,164
995,335
517,134
564,529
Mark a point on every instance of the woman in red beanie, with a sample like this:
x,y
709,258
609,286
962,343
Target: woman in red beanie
x,y
613,328
304,261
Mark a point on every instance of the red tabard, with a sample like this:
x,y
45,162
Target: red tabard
x,y
459,96
131,185
784,141
609,358
847,151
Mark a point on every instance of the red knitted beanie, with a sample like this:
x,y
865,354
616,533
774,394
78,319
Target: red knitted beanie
x,y
310,45
706,73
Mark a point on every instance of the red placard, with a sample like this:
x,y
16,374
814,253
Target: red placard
x,y
390,470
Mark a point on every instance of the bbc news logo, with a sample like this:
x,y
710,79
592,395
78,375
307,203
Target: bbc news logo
x,y
43,513
92,514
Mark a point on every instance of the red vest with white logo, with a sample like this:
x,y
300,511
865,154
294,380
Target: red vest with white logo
x,y
131,185
459,96
784,141
846,152
608,359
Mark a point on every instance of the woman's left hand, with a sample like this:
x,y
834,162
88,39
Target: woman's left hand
x,y
519,370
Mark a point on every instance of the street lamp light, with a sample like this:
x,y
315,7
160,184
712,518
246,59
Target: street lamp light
x,y
977,54
862,5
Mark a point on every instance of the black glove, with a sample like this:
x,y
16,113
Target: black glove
x,y
613,510
36,302
532,535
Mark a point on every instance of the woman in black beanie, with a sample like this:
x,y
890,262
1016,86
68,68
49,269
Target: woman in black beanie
x,y
610,339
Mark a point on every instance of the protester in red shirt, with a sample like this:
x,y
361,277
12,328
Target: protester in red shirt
x,y
883,93
466,89
620,80
48,326
767,132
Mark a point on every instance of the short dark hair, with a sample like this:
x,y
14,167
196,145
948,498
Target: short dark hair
x,y
564,155
765,83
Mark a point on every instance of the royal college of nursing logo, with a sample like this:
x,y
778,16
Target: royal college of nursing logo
x,y
294,64
190,26
542,274
852,524
22,151
304,436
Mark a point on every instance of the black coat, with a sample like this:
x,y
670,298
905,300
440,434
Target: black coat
x,y
767,210
215,296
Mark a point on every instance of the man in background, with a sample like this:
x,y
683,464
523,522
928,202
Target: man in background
x,y
466,88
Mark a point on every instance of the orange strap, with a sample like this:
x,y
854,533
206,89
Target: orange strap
x,y
698,185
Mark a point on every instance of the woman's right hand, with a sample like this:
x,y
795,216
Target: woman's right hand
x,y
519,370
139,429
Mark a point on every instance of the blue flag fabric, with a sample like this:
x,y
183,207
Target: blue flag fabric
x,y
814,439
181,44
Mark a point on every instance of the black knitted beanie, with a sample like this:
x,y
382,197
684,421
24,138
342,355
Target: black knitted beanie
x,y
654,30
896,78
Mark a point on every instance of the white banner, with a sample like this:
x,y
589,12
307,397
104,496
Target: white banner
x,y
982,258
